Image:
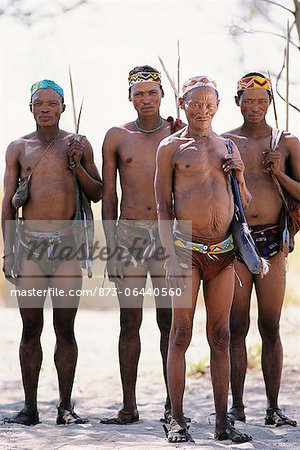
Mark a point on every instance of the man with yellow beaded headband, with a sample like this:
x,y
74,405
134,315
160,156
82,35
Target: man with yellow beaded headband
x,y
130,149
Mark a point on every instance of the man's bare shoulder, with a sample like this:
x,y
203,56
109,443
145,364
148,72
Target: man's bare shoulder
x,y
23,139
18,144
291,144
173,140
290,139
67,134
117,133
218,137
121,129
232,133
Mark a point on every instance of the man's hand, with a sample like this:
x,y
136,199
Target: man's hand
x,y
272,162
234,162
174,275
76,150
7,268
114,269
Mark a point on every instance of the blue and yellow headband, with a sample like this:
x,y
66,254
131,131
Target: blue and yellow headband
x,y
46,84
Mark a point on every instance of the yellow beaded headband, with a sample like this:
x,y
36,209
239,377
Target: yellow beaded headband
x,y
143,77
254,82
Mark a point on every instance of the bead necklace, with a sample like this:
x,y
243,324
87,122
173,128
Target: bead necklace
x,y
149,131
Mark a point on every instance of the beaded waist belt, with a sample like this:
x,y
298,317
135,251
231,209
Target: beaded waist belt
x,y
47,234
214,249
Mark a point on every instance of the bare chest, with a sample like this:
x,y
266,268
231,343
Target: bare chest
x,y
253,152
44,159
138,152
196,158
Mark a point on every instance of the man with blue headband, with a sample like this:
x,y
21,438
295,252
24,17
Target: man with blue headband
x,y
47,84
38,179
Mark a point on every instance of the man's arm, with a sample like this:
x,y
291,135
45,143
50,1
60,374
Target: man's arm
x,y
163,193
273,158
86,171
110,200
11,178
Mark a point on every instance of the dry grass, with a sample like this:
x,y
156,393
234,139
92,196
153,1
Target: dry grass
x,y
199,368
254,356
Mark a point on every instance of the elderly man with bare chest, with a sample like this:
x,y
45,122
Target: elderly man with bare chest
x,y
40,160
130,149
263,163
192,183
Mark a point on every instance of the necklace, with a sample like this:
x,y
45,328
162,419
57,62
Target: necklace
x,y
152,130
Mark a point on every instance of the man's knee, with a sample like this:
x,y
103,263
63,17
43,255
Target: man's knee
x,y
64,328
218,338
32,330
269,331
181,336
239,327
164,320
130,323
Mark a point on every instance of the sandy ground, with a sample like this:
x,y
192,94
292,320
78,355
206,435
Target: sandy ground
x,y
97,391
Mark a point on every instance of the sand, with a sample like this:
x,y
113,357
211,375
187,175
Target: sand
x,y
97,391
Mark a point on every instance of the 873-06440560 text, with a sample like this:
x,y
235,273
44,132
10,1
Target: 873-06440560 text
x,y
134,292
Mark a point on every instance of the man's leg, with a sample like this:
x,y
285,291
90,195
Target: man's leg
x,y
163,317
67,279
65,355
31,356
129,340
180,338
30,351
239,326
270,294
218,295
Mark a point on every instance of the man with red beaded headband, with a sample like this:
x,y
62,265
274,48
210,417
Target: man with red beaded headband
x,y
192,179
130,149
267,163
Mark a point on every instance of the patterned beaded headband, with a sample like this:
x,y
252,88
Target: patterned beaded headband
x,y
199,82
46,84
254,82
143,77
